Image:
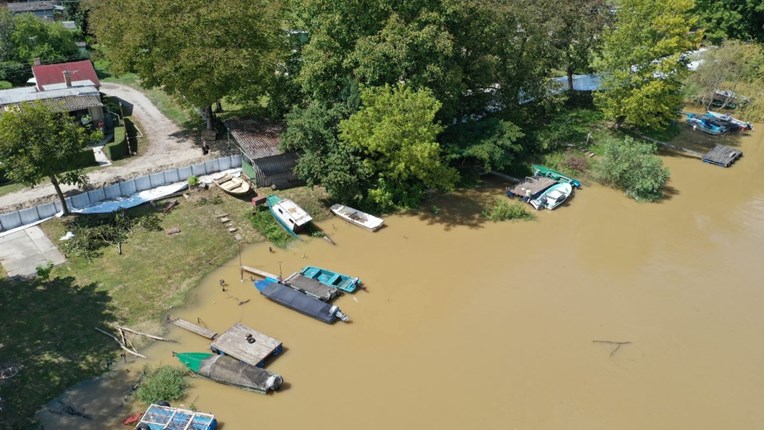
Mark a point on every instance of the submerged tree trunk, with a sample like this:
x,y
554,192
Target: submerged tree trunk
x,y
54,181
210,116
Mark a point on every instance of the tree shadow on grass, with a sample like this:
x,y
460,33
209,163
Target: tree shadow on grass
x,y
48,332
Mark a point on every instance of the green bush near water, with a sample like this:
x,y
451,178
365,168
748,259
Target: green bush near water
x,y
503,209
166,383
267,226
633,166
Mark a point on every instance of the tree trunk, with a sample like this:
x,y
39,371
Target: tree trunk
x,y
54,181
570,74
210,115
218,107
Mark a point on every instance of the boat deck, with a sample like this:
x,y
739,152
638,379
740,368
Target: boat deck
x,y
531,186
246,345
312,287
722,155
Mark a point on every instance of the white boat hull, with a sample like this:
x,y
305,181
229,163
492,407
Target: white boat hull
x,y
357,217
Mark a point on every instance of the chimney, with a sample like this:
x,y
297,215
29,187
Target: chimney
x,y
68,78
37,61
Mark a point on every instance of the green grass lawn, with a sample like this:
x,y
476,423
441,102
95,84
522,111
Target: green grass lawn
x,y
10,188
48,325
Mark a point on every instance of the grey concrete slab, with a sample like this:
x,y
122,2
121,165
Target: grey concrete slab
x,y
23,251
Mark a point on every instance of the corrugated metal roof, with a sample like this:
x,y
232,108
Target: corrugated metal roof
x,y
28,94
30,6
257,139
72,103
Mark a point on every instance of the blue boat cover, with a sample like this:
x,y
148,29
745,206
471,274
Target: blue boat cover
x,y
296,300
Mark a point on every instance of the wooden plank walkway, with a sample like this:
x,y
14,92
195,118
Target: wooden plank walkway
x,y
722,155
202,331
261,273
246,345
312,287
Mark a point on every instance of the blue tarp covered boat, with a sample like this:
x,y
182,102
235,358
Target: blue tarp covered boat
x,y
295,300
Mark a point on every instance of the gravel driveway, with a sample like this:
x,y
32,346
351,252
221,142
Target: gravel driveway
x,y
168,146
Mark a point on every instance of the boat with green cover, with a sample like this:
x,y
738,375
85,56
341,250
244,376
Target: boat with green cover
x,y
540,170
230,371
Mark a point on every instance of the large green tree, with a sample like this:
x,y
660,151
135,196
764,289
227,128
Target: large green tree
x,y
34,38
396,133
730,19
643,63
199,50
37,143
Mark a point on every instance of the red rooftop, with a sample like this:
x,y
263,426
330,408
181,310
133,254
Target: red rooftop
x,y
55,73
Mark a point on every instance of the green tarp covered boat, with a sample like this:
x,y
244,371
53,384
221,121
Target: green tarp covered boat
x,y
228,370
554,174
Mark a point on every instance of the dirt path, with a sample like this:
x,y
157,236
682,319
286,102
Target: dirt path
x,y
168,145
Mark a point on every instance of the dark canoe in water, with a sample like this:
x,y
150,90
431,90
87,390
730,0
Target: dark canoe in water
x,y
228,370
300,302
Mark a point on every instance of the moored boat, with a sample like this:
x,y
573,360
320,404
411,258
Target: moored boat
x,y
743,125
554,174
357,217
160,417
332,279
312,287
233,185
710,125
288,214
552,197
230,371
295,300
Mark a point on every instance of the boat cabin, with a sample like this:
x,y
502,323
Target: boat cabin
x,y
292,214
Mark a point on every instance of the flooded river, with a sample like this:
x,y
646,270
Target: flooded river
x,y
469,324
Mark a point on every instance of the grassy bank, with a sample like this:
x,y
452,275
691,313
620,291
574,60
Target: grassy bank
x,y
55,341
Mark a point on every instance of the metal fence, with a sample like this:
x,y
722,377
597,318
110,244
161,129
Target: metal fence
x,y
121,189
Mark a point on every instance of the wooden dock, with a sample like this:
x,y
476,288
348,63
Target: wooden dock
x,y
312,287
202,331
531,186
246,345
722,155
261,273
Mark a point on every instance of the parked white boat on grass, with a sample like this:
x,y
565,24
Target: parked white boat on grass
x,y
233,185
552,197
357,217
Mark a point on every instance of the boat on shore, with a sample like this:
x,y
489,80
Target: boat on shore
x,y
161,416
297,301
540,170
552,197
332,279
230,371
234,185
357,217
288,214
743,125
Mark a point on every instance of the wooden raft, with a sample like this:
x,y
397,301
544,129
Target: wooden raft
x,y
246,345
722,155
202,331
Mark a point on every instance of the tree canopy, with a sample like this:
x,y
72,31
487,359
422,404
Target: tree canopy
x,y
643,62
730,19
37,143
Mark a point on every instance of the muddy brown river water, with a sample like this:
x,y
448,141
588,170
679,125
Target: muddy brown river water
x,y
468,324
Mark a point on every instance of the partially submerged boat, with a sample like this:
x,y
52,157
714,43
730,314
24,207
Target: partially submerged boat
x,y
234,185
295,300
332,279
357,217
547,172
164,417
552,197
288,214
230,371
742,125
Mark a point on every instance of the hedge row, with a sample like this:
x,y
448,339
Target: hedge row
x,y
85,158
118,148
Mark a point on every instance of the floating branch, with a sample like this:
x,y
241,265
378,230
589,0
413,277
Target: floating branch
x,y
611,342
150,336
122,345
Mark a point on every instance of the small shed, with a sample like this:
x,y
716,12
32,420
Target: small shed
x,y
246,345
262,160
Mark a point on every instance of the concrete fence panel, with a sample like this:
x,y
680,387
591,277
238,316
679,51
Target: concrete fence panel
x,y
157,179
127,187
171,176
198,169
184,173
112,191
28,216
47,210
97,195
211,166
142,183
79,201
10,220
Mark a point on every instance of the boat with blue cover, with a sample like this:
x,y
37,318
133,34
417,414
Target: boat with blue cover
x,y
547,172
295,300
332,279
742,125
163,417
288,214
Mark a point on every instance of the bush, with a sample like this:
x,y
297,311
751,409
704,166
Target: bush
x,y
85,158
575,162
632,166
5,85
118,148
192,181
504,209
267,226
163,383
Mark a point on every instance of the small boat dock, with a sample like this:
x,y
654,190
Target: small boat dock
x,y
246,345
312,287
531,186
722,155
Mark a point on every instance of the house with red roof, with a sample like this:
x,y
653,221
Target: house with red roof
x,y
74,73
